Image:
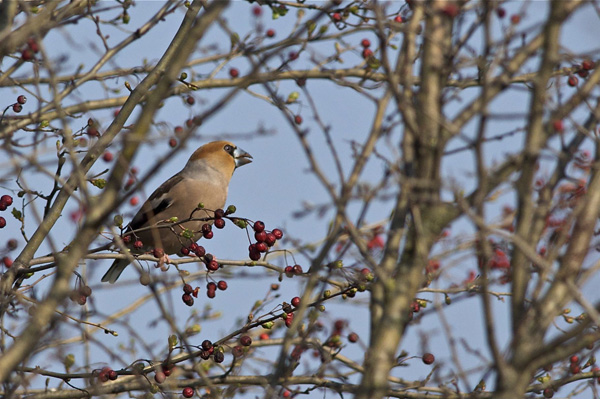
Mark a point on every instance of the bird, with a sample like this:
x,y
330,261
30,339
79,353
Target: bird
x,y
195,192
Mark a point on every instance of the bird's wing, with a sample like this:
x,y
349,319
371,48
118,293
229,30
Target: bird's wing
x,y
160,200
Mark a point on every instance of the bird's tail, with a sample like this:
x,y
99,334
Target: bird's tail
x,y
115,270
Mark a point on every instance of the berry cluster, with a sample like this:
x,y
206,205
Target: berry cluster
x,y
238,350
264,240
32,48
107,374
188,292
290,271
582,70
211,288
208,350
18,106
5,202
367,52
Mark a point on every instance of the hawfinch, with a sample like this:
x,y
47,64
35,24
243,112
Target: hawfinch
x,y
203,180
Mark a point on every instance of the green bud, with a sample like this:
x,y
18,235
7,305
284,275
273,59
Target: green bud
x,y
293,97
321,308
200,205
17,214
100,183
118,220
326,293
230,210
241,223
187,233
447,299
69,361
44,124
268,325
126,18
323,29
183,76
172,341
174,219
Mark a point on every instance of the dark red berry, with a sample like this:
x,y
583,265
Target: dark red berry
x,y
258,226
219,223
277,233
353,337
187,289
254,254
428,358
572,81
234,72
270,33
2,222
199,251
112,375
366,53
219,213
298,120
587,64
293,55
270,241
213,265
260,236
190,100
219,357
107,156
261,247
574,359
211,286
17,108
26,55
187,299
21,99
558,126
158,252
365,43
256,11
207,345
295,301
184,251
500,12
222,285
297,269
6,199
548,393
138,244
245,340
289,271
208,235
172,142
515,19
237,351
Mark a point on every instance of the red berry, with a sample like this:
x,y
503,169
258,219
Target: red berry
x,y
428,358
219,357
297,269
245,340
574,359
26,55
234,72
298,119
258,226
286,394
213,265
187,289
293,55
260,236
289,318
17,108
278,234
208,235
575,368
134,201
172,142
548,392
12,244
515,19
289,271
219,213
587,64
398,19
211,293
263,336
199,251
138,244
2,222
33,45
190,100
270,33
295,301
256,11
219,223
339,325
22,99
237,351
366,53
222,285
184,251
583,73
112,375
261,247
336,16
451,10
365,43
254,254
572,81
187,299
207,345
8,262
558,126
500,12
353,337
107,156
6,199
270,241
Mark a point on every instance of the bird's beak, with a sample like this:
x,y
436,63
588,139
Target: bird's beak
x,y
241,157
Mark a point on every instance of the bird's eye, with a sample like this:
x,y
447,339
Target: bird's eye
x,y
229,149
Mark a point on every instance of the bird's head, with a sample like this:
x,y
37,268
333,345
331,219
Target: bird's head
x,y
222,155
